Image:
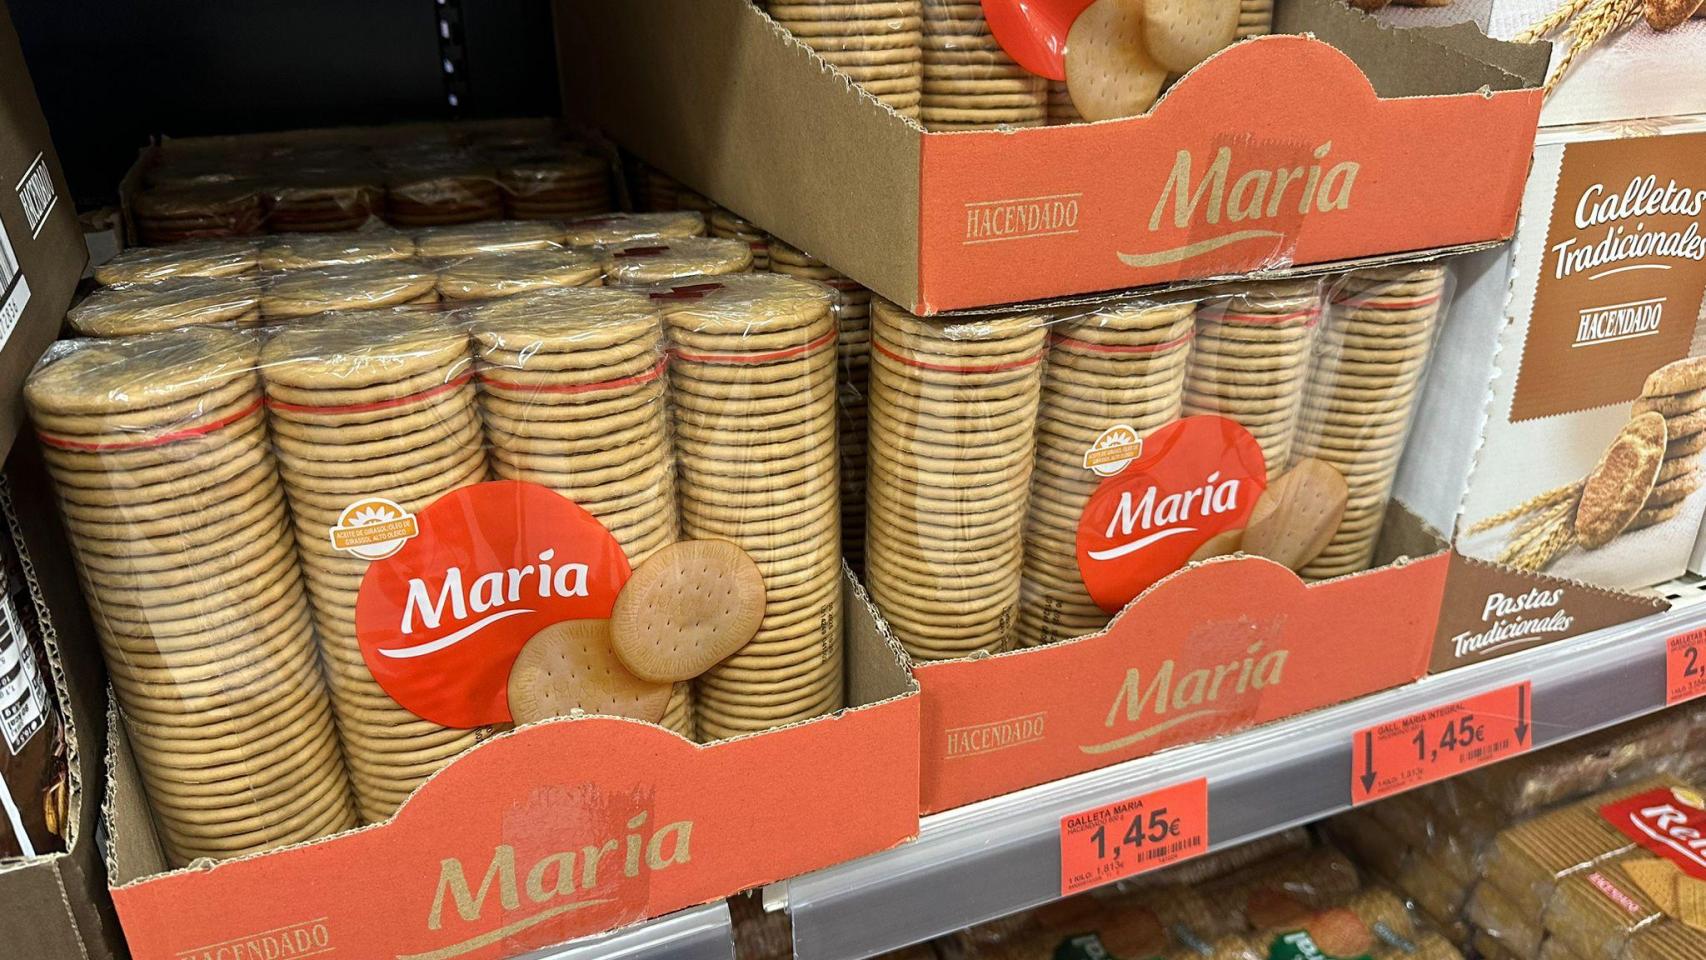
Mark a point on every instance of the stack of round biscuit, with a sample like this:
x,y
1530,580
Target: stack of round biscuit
x,y
168,214
362,286
730,226
572,389
370,405
1255,18
970,83
158,448
1251,360
308,251
1120,366
853,349
443,189
951,438
558,183
1676,391
571,385
627,227
133,308
753,399
1372,353
645,262
192,258
485,276
656,191
875,43
488,236
1061,109
324,201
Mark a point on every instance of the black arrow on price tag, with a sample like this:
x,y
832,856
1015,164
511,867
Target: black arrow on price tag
x,y
1522,713
1368,761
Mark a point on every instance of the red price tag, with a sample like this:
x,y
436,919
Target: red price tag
x,y
1443,742
1685,667
1129,837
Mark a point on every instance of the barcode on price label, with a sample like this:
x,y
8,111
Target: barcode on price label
x,y
1133,836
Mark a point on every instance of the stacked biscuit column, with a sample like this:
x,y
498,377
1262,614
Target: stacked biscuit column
x,y
853,382
158,448
376,406
731,226
753,394
970,83
1255,18
1368,371
951,439
876,44
1124,366
1250,361
572,389
1682,402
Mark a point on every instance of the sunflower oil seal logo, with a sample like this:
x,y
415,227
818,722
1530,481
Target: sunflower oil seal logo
x,y
374,528
1113,451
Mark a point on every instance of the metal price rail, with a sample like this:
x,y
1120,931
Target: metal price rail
x,y
1003,855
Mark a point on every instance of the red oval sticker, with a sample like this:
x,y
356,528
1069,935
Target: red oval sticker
x,y
1189,482
441,621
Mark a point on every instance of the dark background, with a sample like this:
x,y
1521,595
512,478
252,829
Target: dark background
x,y
111,74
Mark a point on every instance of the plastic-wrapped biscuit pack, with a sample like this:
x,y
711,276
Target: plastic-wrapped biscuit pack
x,y
311,183
1032,472
1284,897
327,555
1551,854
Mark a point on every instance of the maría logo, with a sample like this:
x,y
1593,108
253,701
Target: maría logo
x,y
1191,481
440,621
1247,200
521,895
1173,694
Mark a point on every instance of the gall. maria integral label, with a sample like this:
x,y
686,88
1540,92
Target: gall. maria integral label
x,y
1183,485
441,619
1622,276
1669,822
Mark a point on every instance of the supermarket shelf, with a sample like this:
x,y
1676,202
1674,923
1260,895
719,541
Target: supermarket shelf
x,y
1002,855
702,933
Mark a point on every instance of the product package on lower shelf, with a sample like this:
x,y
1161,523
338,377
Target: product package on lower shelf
x,y
348,570
1288,898
1457,849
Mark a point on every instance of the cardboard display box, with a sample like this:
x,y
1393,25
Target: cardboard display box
x,y
56,907
559,830
1633,74
41,244
1277,153
1539,382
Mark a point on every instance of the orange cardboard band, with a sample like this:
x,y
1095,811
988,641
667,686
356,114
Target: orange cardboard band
x,y
187,433
427,394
